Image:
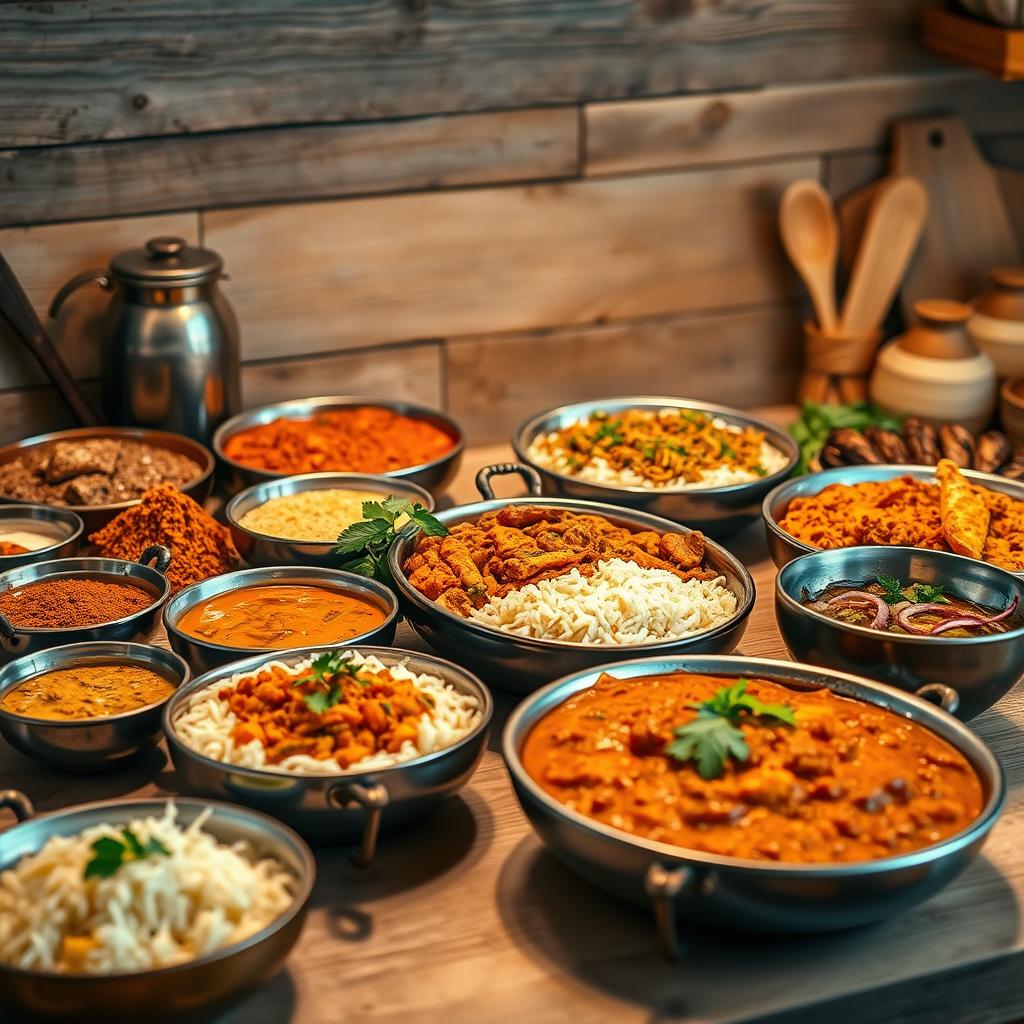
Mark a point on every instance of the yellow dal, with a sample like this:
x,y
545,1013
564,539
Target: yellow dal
x,y
315,516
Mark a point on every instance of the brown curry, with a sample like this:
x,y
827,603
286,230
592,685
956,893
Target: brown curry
x,y
849,782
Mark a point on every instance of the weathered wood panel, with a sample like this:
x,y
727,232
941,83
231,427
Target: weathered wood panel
x,y
504,259
85,70
742,357
694,130
307,162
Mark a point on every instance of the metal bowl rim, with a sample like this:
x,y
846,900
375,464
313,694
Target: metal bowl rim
x,y
304,886
978,827
71,517
775,436
442,665
783,595
743,610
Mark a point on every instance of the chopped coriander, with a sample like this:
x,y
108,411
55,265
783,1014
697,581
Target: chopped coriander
x,y
109,853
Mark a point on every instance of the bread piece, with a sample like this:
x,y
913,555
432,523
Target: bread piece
x,y
965,515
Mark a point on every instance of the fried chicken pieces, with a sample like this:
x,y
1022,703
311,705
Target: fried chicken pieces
x,y
521,544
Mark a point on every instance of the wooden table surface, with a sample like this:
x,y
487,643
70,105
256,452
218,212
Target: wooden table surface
x,y
464,918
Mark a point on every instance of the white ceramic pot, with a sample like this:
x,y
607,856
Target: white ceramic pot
x,y
1001,340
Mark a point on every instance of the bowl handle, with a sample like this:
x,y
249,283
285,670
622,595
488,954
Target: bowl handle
x,y
10,639
938,693
18,802
528,473
158,555
374,798
663,885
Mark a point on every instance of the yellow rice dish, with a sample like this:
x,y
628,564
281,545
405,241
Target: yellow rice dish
x,y
314,516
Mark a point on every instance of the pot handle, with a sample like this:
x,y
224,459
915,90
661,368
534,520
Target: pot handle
x,y
663,885
374,799
18,802
528,473
158,555
86,277
938,693
10,639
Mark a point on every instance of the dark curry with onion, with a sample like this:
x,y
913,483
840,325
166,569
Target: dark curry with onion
x,y
752,769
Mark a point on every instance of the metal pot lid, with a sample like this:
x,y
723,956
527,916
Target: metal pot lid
x,y
167,260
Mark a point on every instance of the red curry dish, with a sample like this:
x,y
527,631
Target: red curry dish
x,y
847,781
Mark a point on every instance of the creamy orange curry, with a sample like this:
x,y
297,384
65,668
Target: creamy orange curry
x,y
847,781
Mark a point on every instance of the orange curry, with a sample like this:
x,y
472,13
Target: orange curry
x,y
849,782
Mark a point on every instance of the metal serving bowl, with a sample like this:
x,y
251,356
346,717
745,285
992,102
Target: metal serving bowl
x,y
96,516
261,549
203,656
784,547
520,663
66,528
88,744
982,669
16,641
753,895
716,510
338,807
433,476
188,987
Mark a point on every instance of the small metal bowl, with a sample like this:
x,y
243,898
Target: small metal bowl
x,y
203,656
352,805
262,549
88,744
682,884
96,516
784,547
16,641
433,476
981,669
186,988
66,528
715,510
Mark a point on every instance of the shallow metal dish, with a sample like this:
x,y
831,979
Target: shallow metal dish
x,y
262,549
338,807
203,656
784,547
93,743
433,476
688,885
520,663
715,510
65,526
96,516
982,669
189,987
16,641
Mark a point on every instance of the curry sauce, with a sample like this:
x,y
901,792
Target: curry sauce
x,y
849,782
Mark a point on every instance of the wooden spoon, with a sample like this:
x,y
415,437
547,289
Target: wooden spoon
x,y
891,232
809,233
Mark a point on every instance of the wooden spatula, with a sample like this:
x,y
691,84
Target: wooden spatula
x,y
810,235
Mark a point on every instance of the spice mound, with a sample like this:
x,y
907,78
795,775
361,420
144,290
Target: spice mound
x,y
362,439
87,691
200,546
72,602
94,471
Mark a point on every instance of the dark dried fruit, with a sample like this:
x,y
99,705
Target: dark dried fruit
x,y
1014,469
854,447
993,451
922,442
831,456
888,444
957,444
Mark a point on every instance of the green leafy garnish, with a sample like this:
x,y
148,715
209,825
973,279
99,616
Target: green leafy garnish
x,y
893,589
609,429
368,541
325,676
108,854
928,593
713,736
816,422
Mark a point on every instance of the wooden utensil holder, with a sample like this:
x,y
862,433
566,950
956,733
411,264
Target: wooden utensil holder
x,y
837,366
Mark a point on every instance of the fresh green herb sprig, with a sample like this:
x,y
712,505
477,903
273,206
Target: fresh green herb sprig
x,y
713,736
893,589
367,541
325,677
920,593
816,421
108,854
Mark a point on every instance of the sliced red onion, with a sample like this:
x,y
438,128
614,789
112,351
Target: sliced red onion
x,y
905,615
881,619
957,623
953,620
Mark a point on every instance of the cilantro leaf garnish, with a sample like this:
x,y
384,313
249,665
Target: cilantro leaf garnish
x,y
326,673
928,593
108,854
893,589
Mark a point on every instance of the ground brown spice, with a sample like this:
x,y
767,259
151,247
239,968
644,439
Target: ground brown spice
x,y
200,546
71,602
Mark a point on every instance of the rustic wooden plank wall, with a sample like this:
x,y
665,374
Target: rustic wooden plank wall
x,y
491,207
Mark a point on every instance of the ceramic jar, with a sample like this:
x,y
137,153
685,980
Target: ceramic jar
x,y
997,324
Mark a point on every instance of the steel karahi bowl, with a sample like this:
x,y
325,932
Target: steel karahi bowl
x,y
96,516
63,525
684,885
338,807
203,656
520,664
982,669
16,641
263,549
153,994
784,547
88,744
715,510
432,476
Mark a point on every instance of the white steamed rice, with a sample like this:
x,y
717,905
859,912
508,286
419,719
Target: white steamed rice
x,y
621,603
